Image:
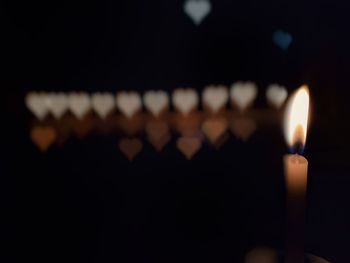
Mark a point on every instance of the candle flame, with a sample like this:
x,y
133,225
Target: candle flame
x,y
296,118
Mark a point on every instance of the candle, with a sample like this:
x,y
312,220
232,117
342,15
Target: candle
x,y
295,171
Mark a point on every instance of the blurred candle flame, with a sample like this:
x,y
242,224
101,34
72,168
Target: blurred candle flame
x,y
296,117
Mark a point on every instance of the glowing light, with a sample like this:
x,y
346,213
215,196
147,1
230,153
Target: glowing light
x,y
296,119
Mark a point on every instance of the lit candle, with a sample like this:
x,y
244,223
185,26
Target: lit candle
x,y
295,171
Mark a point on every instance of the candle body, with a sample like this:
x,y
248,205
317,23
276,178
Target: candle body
x,y
295,171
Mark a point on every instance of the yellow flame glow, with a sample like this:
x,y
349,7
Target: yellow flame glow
x,y
296,118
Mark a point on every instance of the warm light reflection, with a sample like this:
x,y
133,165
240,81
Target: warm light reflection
x,y
296,118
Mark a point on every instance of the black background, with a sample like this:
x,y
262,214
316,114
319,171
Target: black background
x,y
84,202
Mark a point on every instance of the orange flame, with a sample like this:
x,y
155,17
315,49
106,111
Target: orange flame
x,y
296,117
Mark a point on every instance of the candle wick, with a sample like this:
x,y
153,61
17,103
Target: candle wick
x,y
297,148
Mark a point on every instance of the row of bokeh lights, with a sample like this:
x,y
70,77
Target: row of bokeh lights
x,y
214,97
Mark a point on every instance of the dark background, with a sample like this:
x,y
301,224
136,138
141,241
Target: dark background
x,y
84,202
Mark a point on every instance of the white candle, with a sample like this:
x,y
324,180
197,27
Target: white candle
x,y
295,171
